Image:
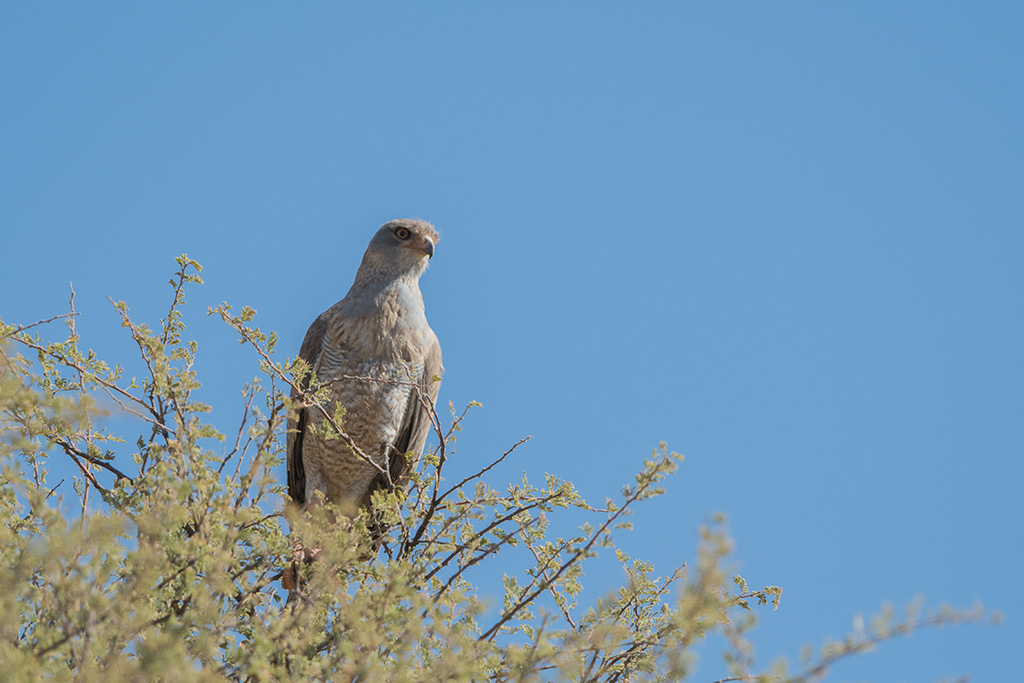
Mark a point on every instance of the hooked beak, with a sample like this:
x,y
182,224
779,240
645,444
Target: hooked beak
x,y
426,245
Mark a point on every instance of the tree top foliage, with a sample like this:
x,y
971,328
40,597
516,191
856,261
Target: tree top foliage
x,y
166,562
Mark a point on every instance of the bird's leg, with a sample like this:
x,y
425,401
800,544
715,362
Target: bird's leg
x,y
291,577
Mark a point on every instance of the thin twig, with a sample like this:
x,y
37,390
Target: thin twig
x,y
22,328
72,451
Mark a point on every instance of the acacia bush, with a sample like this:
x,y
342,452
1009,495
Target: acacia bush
x,y
166,562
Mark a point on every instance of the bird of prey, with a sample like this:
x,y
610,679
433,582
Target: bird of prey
x,y
382,364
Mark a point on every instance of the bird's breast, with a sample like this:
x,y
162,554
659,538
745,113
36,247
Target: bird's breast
x,y
373,396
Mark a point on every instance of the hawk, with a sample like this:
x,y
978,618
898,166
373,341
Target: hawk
x,y
382,364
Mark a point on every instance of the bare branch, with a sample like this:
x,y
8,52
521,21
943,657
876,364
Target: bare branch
x,y
22,328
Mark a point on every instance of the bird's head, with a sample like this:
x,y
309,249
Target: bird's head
x,y
401,247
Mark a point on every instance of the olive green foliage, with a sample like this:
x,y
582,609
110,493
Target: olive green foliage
x,y
166,561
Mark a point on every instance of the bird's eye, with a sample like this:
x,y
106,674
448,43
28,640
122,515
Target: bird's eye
x,y
402,233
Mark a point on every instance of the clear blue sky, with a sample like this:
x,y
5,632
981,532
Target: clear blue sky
x,y
786,238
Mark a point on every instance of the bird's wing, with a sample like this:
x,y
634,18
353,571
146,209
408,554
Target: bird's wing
x,y
416,422
309,352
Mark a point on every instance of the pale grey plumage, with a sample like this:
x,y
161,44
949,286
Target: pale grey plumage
x,y
379,333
